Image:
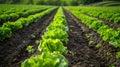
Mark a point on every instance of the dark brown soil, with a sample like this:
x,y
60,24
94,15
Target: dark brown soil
x,y
110,24
13,50
81,54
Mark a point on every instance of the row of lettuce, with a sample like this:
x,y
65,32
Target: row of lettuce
x,y
108,34
8,28
24,12
51,46
111,14
9,8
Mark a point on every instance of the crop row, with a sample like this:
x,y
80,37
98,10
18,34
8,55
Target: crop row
x,y
9,27
18,14
108,34
8,9
51,46
111,14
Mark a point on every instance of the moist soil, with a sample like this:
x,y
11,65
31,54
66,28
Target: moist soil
x,y
83,54
80,52
13,50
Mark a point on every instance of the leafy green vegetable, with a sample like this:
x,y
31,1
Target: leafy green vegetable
x,y
5,33
56,34
57,25
48,59
51,45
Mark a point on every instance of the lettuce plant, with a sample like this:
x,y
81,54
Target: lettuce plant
x,y
47,59
51,45
56,34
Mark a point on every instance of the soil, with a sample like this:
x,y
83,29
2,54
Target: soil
x,y
110,24
13,50
81,53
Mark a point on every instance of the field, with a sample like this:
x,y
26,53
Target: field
x,y
59,36
106,3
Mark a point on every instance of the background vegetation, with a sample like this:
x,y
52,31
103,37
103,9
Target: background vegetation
x,y
52,2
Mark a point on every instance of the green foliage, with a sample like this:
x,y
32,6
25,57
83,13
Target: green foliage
x,y
87,35
111,65
12,25
98,45
13,16
5,33
30,49
57,25
47,59
108,34
33,36
38,42
118,55
8,27
52,2
4,17
109,54
91,42
56,34
102,12
57,29
51,45
14,12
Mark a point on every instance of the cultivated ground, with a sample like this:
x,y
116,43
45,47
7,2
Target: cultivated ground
x,y
80,52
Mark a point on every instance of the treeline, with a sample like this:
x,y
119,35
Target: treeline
x,y
52,2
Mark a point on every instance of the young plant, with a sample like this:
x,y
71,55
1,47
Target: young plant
x,y
109,54
33,36
91,42
118,55
30,49
111,65
38,41
98,45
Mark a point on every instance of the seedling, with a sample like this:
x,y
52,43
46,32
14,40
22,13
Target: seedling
x,y
70,30
98,45
30,49
87,35
90,42
109,54
72,53
33,36
112,65
38,42
118,55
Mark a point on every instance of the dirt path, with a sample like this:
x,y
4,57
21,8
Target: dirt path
x,y
13,50
80,55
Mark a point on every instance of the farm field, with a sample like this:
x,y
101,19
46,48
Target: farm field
x,y
59,36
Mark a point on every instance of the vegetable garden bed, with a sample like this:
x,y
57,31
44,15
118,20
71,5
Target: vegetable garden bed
x,y
73,39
